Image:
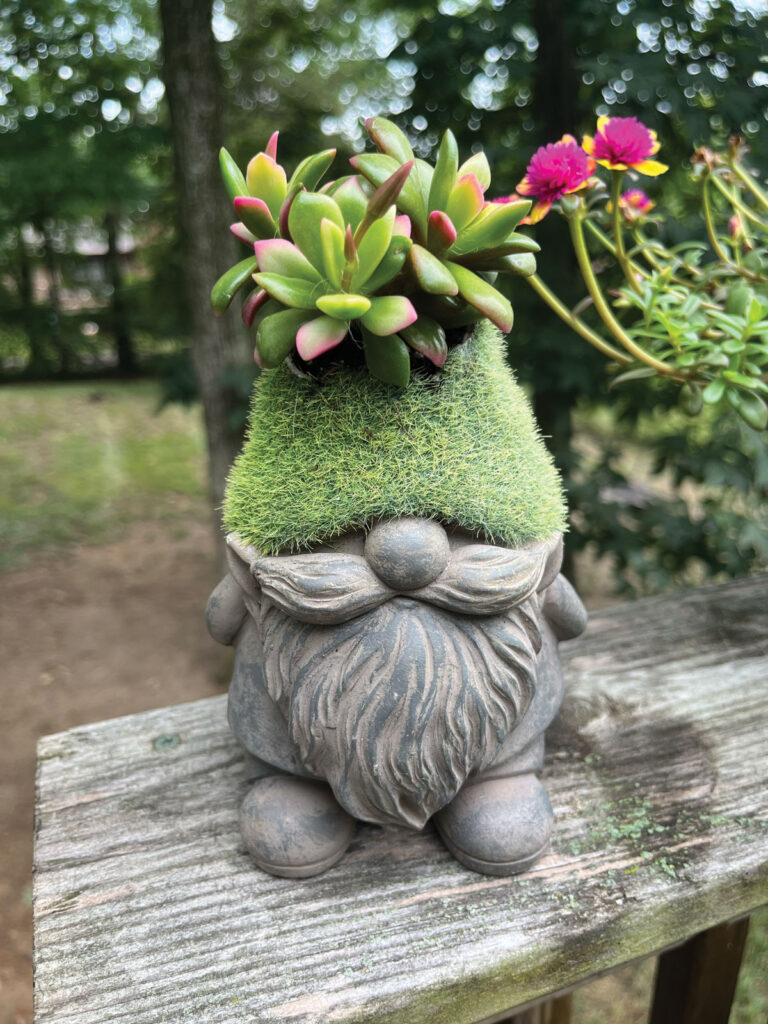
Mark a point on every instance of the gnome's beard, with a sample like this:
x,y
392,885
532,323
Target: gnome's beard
x,y
397,707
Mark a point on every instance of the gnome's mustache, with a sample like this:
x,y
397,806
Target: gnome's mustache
x,y
331,588
397,698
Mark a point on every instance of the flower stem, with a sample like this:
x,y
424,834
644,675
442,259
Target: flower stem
x,y
604,310
739,205
573,321
749,181
621,256
714,241
605,240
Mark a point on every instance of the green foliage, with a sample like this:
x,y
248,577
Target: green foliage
x,y
323,457
701,510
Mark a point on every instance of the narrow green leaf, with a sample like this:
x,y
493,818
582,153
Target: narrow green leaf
x,y
232,176
291,291
276,336
479,166
492,227
383,198
377,167
465,201
423,172
387,359
332,238
230,283
307,212
389,139
483,296
391,264
352,200
523,264
311,169
431,273
445,174
640,373
372,248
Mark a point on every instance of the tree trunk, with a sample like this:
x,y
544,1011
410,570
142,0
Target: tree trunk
x,y
37,361
218,345
126,357
54,301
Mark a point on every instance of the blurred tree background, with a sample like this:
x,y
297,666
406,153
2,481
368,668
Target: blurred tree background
x,y
110,236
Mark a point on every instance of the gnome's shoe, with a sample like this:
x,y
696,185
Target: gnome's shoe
x,y
293,827
498,827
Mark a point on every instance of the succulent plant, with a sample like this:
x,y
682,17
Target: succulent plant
x,y
461,241
391,257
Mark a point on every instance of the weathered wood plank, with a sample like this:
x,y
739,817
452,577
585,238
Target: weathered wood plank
x,y
147,908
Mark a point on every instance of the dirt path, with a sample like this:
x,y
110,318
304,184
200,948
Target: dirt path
x,y
87,635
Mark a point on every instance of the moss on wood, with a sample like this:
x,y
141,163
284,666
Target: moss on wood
x,y
324,458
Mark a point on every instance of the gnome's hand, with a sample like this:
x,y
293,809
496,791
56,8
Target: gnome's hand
x,y
563,609
225,611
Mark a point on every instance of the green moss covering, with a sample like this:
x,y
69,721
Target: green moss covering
x,y
321,459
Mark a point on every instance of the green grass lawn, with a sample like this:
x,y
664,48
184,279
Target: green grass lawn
x,y
80,461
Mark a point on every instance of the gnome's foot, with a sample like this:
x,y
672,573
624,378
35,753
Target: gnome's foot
x,y
294,827
498,827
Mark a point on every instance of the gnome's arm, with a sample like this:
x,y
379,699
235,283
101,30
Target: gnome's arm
x,y
225,611
563,609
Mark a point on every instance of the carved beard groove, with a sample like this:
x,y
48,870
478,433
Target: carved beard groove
x,y
398,707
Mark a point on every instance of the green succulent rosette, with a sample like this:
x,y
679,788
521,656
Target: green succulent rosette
x,y
391,257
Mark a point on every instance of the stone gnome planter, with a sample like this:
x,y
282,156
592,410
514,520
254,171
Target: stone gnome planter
x,y
404,672
395,520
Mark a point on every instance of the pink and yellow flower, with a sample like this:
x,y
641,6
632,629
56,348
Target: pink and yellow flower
x,y
555,170
622,144
634,204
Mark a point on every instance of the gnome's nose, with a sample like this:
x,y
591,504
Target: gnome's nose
x,y
407,553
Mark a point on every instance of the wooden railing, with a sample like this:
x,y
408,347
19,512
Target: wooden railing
x,y
147,909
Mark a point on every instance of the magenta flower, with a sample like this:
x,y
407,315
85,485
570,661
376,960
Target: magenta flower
x,y
555,171
635,204
624,143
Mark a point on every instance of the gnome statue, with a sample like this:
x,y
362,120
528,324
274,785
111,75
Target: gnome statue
x,y
402,675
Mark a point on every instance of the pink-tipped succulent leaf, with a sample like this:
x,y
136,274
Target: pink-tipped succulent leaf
x,y
255,214
239,230
465,201
320,335
271,147
278,256
388,315
266,179
441,233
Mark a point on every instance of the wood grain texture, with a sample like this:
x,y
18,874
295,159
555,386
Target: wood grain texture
x,y
148,911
